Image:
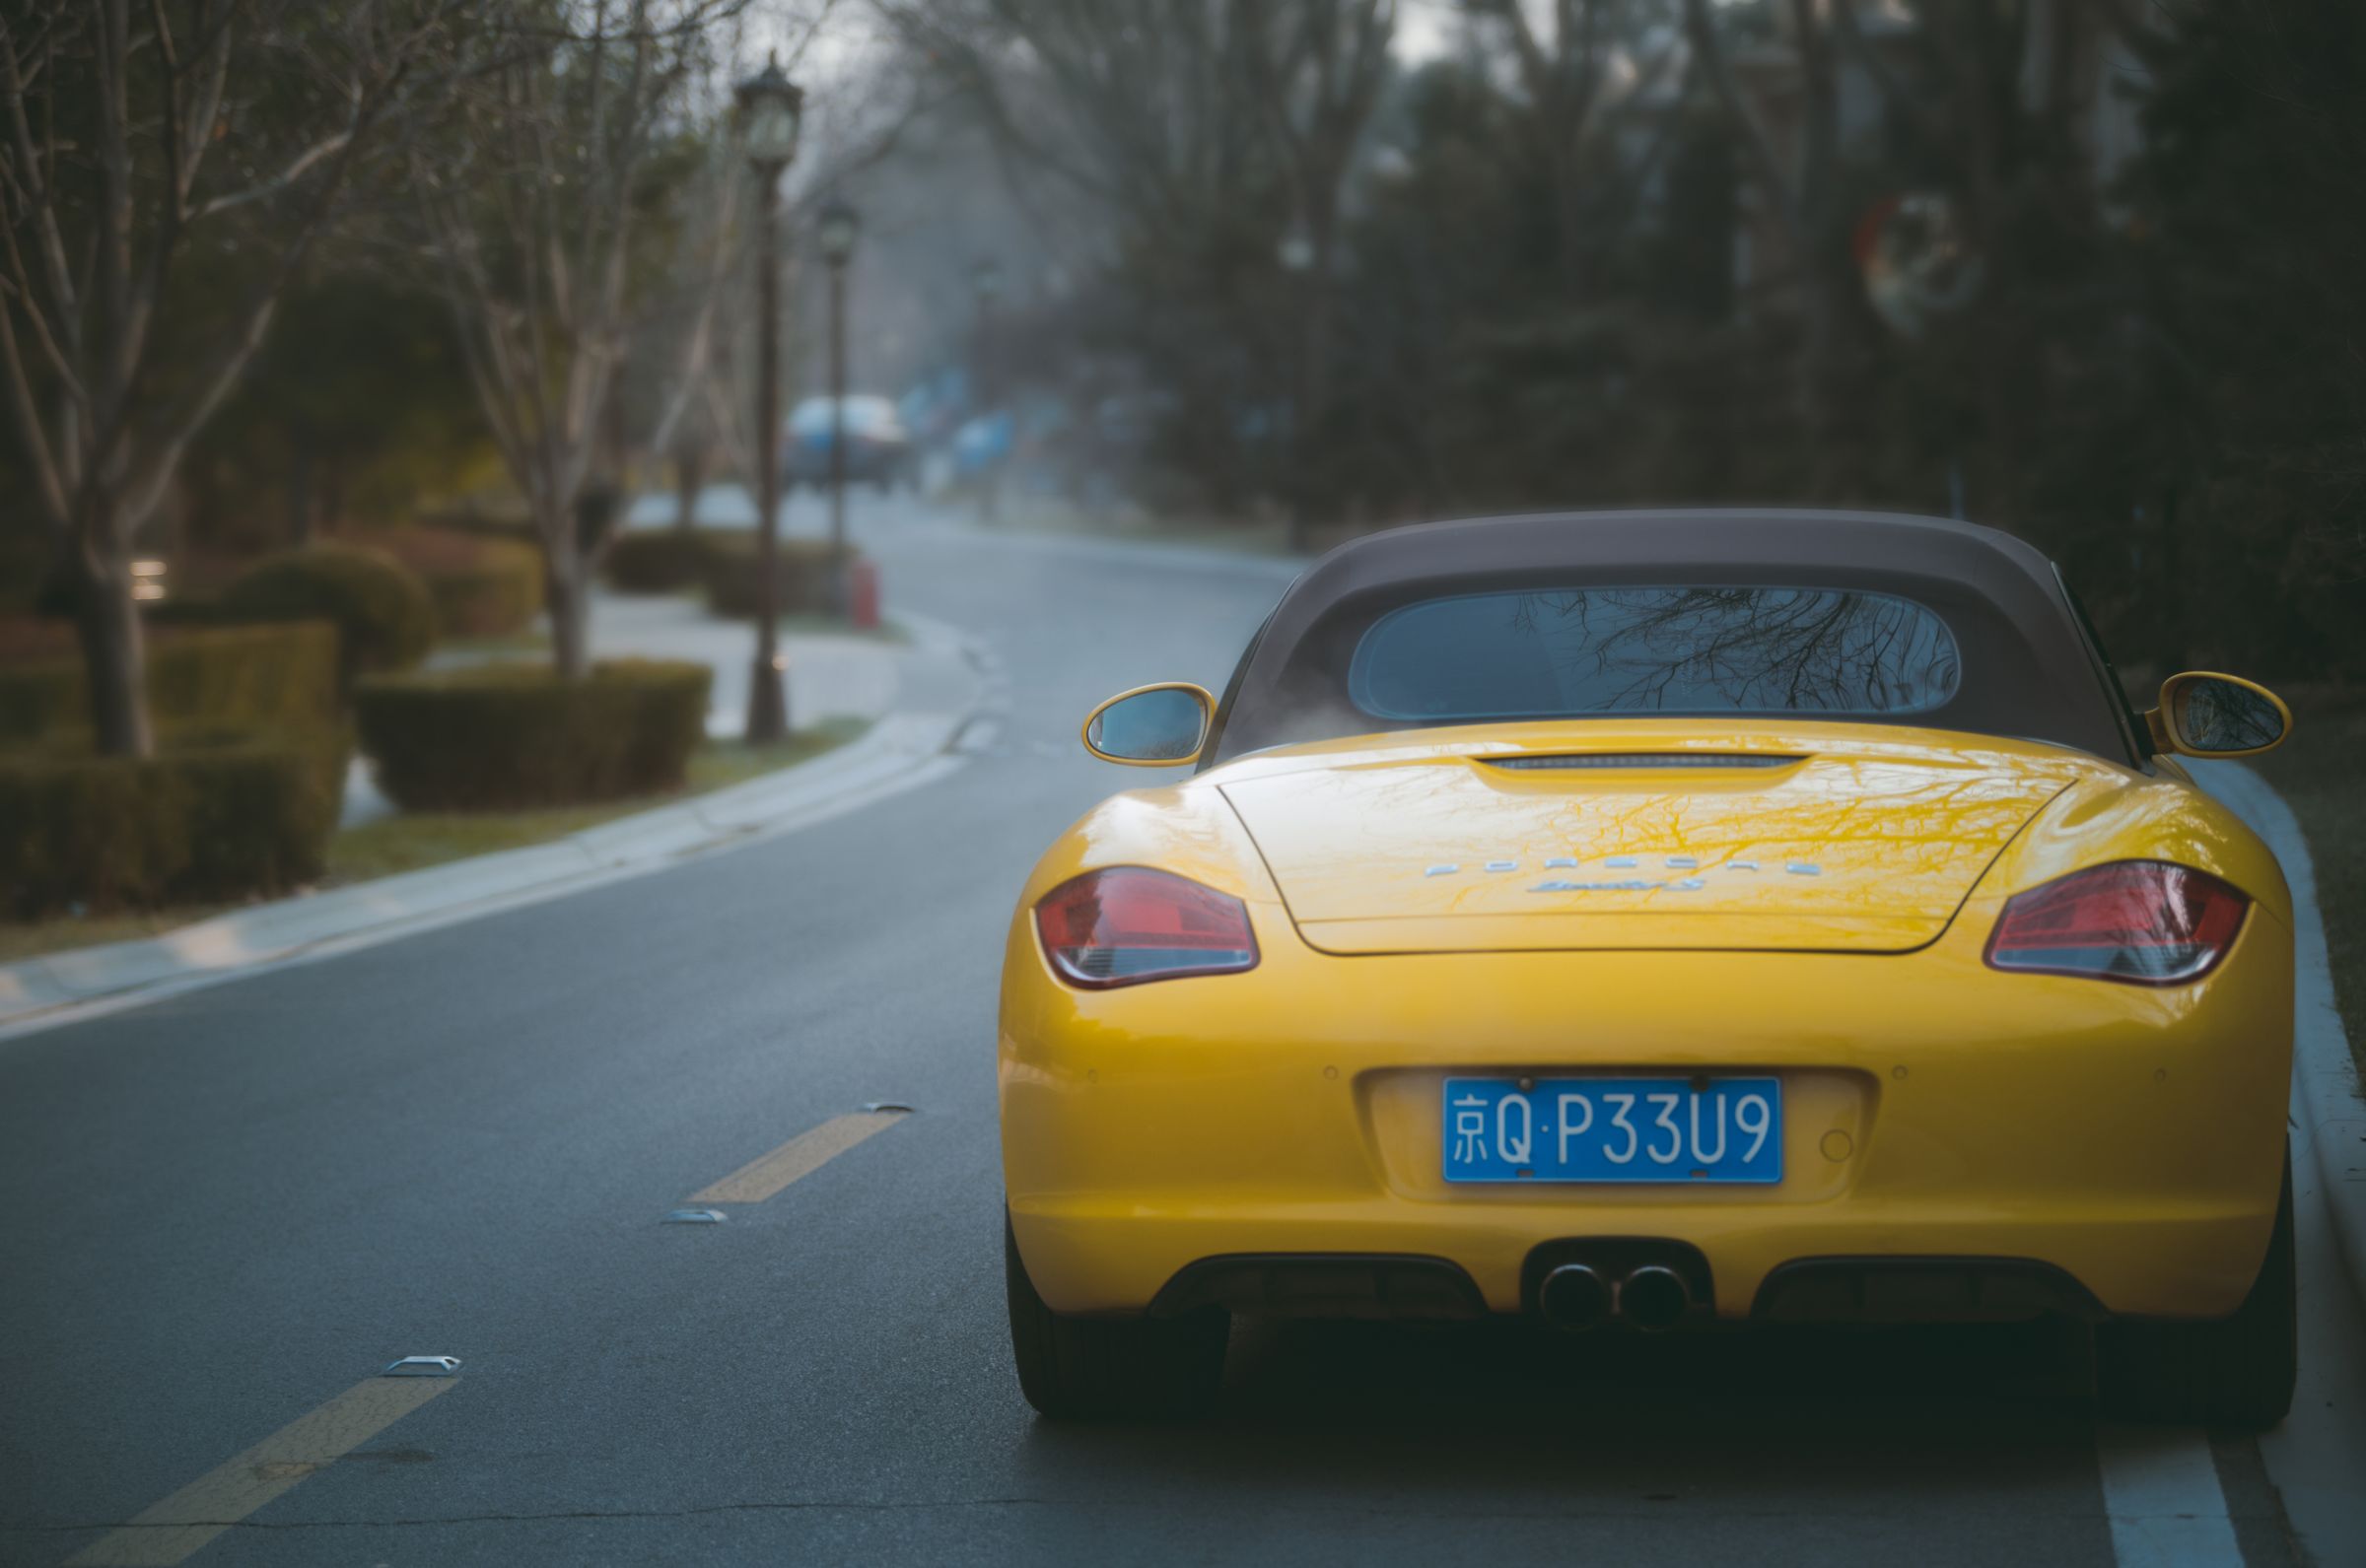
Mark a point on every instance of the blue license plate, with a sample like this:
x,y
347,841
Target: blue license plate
x,y
1613,1130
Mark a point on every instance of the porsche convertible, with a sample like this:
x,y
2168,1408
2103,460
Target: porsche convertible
x,y
1652,922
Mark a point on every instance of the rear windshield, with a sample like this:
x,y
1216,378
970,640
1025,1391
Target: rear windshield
x,y
1558,654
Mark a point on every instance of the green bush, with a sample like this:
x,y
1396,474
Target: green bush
x,y
383,618
657,560
480,586
733,583
503,737
225,677
212,816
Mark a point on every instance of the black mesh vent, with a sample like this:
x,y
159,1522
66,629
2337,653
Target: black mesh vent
x,y
1644,759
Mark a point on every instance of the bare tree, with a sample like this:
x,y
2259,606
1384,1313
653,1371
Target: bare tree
x,y
1196,130
1319,66
538,206
1147,107
1578,66
137,140
1801,192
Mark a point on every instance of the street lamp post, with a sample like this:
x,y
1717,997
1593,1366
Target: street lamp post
x,y
986,277
839,227
770,109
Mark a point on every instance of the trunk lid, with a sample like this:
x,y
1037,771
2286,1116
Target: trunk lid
x,y
1661,834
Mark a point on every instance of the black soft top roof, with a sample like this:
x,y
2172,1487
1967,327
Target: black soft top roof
x,y
2029,670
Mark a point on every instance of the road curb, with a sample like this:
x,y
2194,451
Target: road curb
x,y
2324,1072
901,751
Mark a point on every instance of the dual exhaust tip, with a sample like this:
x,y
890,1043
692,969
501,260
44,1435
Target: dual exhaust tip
x,y
1653,1298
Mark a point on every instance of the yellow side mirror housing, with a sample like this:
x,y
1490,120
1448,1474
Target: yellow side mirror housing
x,y
2206,715
1164,725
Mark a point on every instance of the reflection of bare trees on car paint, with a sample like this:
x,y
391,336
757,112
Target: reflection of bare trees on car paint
x,y
1921,820
1755,649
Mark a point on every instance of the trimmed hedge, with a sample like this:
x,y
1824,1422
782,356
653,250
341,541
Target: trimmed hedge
x,y
723,561
480,586
276,677
657,560
211,817
732,581
383,618
503,737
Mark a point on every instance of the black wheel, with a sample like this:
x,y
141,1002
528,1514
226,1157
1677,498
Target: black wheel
x,y
1083,1368
2236,1372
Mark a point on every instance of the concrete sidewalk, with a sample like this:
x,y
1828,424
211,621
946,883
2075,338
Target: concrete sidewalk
x,y
933,700
829,676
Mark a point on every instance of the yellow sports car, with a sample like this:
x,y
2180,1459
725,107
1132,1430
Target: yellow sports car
x,y
1654,920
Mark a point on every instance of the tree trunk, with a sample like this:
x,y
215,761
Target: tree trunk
x,y
566,593
299,496
107,623
2174,646
690,478
330,517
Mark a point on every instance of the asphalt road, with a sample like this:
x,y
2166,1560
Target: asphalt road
x,y
229,1208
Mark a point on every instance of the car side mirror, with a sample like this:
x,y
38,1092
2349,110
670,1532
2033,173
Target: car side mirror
x,y
1151,727
2202,715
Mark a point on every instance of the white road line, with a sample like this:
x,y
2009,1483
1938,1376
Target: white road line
x,y
2160,1488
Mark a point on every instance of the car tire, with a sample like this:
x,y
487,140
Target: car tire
x,y
1099,1367
2234,1372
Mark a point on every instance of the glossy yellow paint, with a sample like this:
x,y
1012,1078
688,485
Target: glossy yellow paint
x,y
1865,844
2131,1136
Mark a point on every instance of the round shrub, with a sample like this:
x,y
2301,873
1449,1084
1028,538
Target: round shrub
x,y
657,560
384,621
213,816
481,584
503,737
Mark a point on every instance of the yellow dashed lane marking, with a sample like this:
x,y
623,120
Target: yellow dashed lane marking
x,y
172,1530
802,1155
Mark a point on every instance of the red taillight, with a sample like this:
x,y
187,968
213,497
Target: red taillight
x,y
1129,924
2146,922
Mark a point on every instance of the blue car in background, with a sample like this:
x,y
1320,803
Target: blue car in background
x,y
878,448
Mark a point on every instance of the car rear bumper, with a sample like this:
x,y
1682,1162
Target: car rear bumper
x,y
1948,1130
1821,1290
1311,1264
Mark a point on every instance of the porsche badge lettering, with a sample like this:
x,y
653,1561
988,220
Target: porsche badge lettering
x,y
1620,862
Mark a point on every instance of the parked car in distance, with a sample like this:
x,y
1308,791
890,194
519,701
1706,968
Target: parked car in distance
x,y
878,449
